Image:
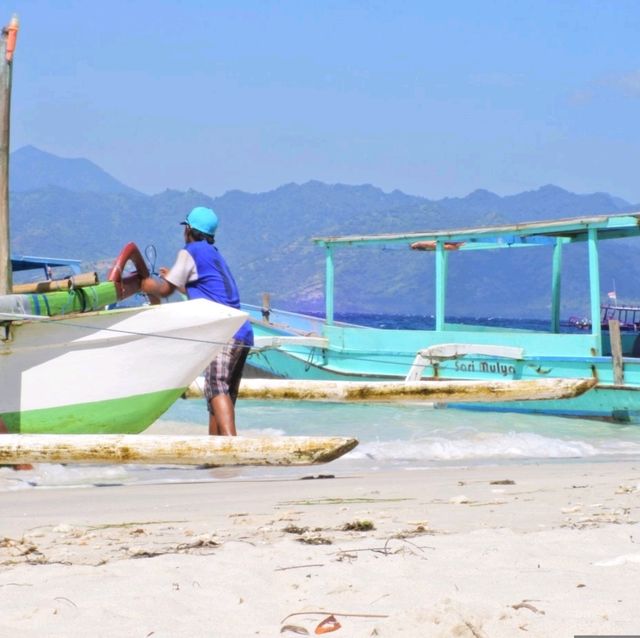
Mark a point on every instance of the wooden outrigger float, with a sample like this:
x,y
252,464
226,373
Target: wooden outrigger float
x,y
482,391
214,451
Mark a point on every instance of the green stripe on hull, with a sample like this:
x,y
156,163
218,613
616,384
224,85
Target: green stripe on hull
x,y
129,415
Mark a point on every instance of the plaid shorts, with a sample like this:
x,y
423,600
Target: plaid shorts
x,y
224,373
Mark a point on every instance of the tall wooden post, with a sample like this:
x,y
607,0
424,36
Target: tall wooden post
x,y
7,46
616,352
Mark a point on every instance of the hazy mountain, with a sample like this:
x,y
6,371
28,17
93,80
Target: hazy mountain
x,y
267,239
33,169
547,202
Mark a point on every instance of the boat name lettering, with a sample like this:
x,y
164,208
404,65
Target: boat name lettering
x,y
493,367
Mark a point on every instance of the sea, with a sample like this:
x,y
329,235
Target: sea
x,y
398,436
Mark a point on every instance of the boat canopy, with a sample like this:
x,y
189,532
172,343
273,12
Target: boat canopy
x,y
22,262
553,233
574,229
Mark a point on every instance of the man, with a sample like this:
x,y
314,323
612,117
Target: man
x,y
200,271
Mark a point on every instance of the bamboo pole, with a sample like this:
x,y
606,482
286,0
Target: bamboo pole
x,y
77,281
7,45
215,451
449,391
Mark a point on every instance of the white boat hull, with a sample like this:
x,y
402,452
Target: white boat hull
x,y
114,371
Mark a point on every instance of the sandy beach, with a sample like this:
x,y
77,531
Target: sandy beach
x,y
531,550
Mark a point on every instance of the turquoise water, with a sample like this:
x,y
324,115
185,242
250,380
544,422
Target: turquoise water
x,y
406,434
391,436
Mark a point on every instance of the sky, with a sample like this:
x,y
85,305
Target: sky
x,y
433,98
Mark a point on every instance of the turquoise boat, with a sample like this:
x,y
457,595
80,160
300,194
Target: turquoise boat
x,y
295,346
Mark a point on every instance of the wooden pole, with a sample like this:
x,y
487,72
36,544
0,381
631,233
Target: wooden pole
x,y
266,306
7,45
215,451
616,352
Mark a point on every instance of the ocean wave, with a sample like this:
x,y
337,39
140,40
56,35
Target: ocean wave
x,y
489,446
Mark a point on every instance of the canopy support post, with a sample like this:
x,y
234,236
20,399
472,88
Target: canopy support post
x,y
556,277
594,289
329,286
441,276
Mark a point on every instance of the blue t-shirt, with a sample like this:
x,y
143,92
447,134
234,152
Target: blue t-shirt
x,y
215,282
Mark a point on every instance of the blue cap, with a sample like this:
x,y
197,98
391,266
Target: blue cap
x,y
202,219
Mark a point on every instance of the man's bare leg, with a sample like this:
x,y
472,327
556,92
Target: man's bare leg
x,y
222,420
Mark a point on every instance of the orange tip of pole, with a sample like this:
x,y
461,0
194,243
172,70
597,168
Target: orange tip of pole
x,y
11,33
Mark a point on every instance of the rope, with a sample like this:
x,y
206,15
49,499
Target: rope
x,y
151,255
142,334
92,291
63,322
69,304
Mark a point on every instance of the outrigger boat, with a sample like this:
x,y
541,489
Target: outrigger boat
x,y
70,367
72,364
295,346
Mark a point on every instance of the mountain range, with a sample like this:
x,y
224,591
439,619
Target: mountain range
x,y
72,208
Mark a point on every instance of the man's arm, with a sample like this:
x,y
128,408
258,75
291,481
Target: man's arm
x,y
181,272
156,287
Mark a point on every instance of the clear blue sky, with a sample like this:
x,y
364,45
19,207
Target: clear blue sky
x,y
433,98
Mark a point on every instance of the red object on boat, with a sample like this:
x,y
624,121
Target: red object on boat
x,y
130,284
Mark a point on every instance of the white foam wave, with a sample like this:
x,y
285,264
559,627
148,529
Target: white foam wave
x,y
510,445
262,432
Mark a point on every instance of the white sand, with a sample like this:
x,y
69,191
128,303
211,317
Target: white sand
x,y
556,553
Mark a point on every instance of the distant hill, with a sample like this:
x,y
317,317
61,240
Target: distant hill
x,y
33,169
266,238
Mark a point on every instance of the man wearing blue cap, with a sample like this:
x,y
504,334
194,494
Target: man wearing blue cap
x,y
201,272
